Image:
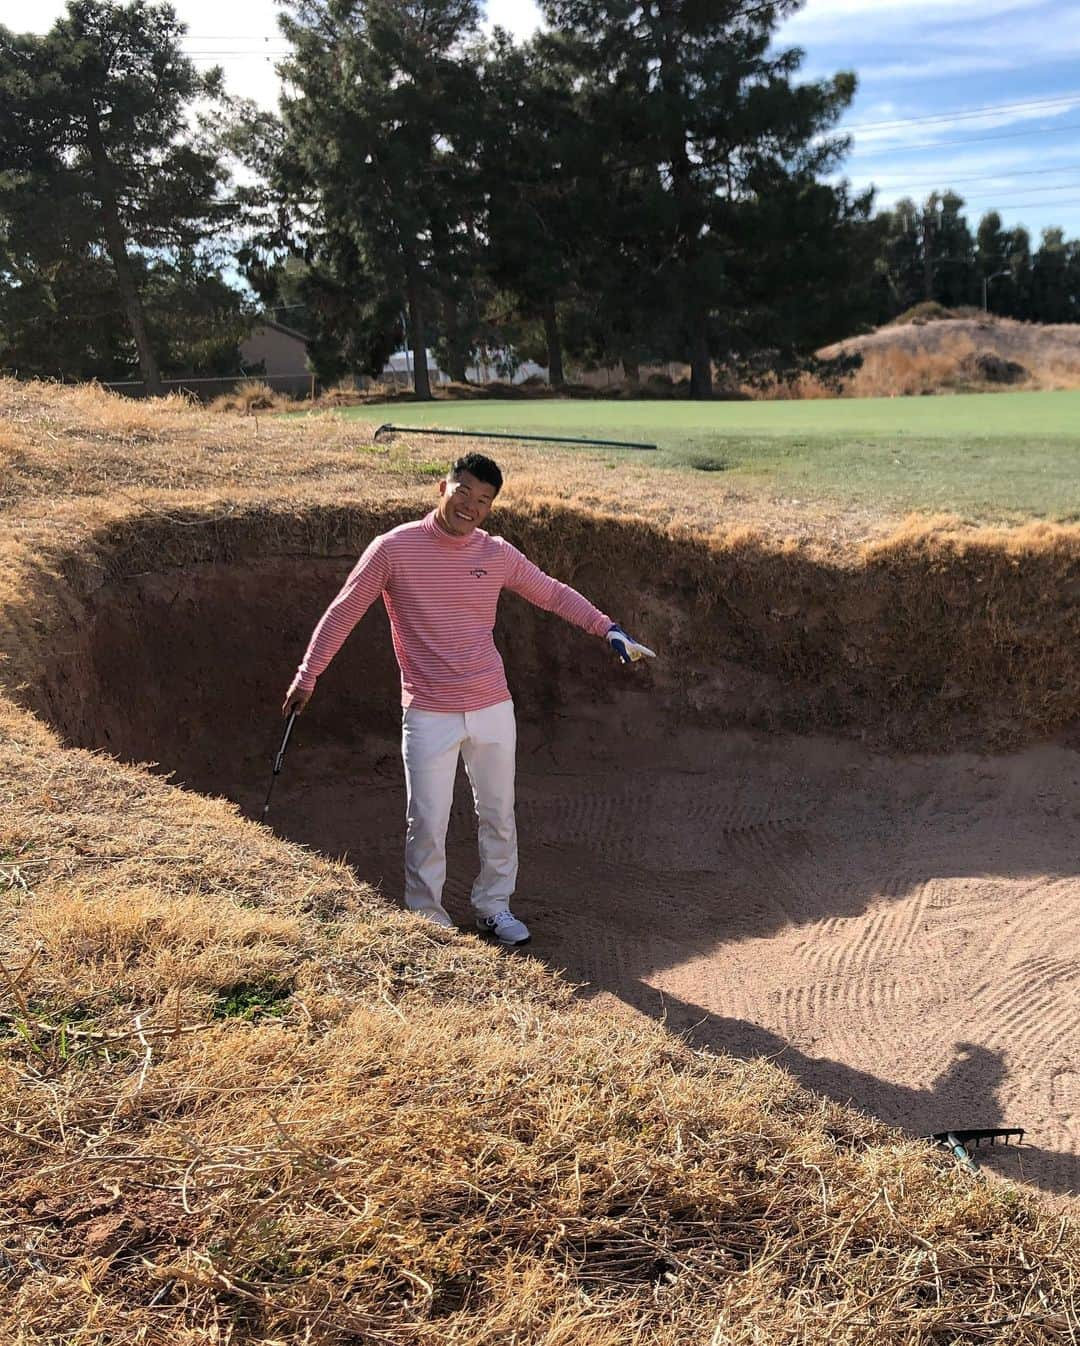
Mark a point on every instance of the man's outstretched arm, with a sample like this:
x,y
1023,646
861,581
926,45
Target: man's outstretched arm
x,y
543,591
366,582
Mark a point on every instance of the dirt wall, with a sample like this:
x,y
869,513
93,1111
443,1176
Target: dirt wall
x,y
932,641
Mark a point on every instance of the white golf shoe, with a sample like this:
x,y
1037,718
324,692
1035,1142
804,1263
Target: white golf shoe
x,y
505,927
436,916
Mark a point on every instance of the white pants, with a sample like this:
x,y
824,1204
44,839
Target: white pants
x,y
430,743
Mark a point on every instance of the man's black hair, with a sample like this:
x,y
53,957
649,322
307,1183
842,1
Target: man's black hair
x,y
483,469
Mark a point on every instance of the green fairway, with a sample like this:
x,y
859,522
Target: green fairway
x,y
984,455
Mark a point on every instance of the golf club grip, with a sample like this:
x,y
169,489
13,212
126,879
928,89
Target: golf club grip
x,y
280,758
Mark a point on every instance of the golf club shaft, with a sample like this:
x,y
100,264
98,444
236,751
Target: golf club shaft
x,y
279,760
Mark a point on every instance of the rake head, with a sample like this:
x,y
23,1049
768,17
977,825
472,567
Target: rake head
x,y
957,1142
980,1136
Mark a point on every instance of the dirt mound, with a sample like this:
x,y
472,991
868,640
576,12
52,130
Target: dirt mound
x,y
962,354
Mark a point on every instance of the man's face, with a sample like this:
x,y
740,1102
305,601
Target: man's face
x,y
464,504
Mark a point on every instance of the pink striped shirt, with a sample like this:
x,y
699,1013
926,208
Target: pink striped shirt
x,y
441,593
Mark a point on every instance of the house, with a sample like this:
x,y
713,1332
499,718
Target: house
x,y
493,367
273,349
398,369
501,365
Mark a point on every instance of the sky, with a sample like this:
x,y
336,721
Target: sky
x,y
979,95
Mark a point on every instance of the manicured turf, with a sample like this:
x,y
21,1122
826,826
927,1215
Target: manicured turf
x,y
985,455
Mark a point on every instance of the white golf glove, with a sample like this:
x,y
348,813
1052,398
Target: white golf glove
x,y
626,647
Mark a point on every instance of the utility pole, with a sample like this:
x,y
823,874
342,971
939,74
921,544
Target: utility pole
x,y
986,286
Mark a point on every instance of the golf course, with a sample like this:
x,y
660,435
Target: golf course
x,y
990,456
539,673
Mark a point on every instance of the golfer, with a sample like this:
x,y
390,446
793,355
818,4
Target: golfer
x,y
440,579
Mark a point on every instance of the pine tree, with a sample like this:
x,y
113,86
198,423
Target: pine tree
x,y
1052,297
697,129
903,256
97,150
531,140
948,251
382,129
1018,299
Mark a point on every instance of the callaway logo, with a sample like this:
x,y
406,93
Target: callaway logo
x,y
477,572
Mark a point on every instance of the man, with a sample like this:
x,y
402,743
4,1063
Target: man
x,y
440,578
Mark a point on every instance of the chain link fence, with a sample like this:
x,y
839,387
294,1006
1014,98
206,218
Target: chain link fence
x,y
296,386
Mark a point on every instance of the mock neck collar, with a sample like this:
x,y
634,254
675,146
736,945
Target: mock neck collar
x,y
432,526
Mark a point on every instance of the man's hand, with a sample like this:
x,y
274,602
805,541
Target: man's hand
x,y
626,647
296,698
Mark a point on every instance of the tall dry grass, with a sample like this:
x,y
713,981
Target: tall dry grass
x,y
941,354
250,396
899,372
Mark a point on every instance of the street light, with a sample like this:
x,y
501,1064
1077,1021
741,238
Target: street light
x,y
986,284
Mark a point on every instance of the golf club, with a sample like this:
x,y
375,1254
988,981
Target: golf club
x,y
279,760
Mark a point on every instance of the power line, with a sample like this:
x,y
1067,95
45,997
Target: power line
x,y
999,207
987,203
1064,187
969,112
977,140
762,6
238,51
1021,205
931,183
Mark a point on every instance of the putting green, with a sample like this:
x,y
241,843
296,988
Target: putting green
x,y
990,456
670,424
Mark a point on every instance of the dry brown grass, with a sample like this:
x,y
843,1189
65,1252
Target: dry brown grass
x,y
899,372
935,356
251,396
413,1139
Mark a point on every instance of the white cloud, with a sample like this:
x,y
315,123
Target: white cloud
x,y
858,20
935,67
14,14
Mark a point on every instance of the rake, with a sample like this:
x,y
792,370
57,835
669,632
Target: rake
x,y
958,1141
492,434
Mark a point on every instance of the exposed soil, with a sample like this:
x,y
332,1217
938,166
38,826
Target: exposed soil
x,y
899,931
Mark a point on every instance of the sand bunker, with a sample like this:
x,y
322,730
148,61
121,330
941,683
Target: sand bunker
x,y
898,932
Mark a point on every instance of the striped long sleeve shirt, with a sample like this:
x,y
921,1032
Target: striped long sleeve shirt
x,y
441,593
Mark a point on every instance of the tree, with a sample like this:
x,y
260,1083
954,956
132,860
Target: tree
x,y
1018,301
948,251
196,320
903,257
1052,294
534,162
990,256
97,147
382,131
1003,266
688,103
60,318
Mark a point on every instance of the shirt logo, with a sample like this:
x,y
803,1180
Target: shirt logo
x,y
478,572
